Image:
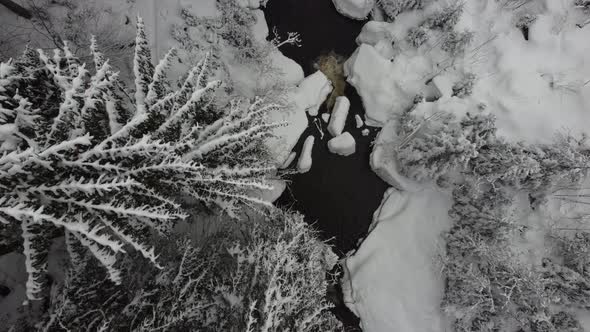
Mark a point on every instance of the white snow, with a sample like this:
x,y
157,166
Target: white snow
x,y
365,132
343,144
315,89
305,160
384,163
393,282
359,121
339,115
289,160
326,117
356,9
308,96
373,77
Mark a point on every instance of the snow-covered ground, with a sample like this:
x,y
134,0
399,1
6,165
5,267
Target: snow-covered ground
x,y
394,282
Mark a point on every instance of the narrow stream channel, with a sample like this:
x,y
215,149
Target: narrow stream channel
x,y
339,194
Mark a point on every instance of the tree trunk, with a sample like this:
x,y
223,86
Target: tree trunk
x,y
17,9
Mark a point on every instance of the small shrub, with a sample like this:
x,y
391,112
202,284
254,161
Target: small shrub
x,y
455,43
464,88
445,19
417,36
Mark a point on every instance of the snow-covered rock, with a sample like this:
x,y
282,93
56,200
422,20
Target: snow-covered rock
x,y
365,132
391,283
289,160
359,121
356,9
374,80
443,85
377,34
305,160
315,88
326,117
339,115
373,32
308,96
343,145
383,160
252,4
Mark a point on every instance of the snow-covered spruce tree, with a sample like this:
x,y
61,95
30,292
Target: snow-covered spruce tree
x,y
488,288
446,19
442,145
106,170
271,277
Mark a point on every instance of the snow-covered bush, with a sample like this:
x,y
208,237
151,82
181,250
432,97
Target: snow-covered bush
x,y
270,276
464,87
392,8
233,26
455,43
434,147
487,287
445,19
82,157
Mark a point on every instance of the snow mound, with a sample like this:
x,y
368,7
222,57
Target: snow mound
x,y
355,9
308,96
384,163
374,80
392,282
305,160
343,145
338,117
365,132
316,88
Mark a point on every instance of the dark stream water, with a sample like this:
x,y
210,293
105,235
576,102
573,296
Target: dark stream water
x,y
339,194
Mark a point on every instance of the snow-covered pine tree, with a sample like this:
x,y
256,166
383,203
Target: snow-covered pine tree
x,y
392,8
268,276
80,157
